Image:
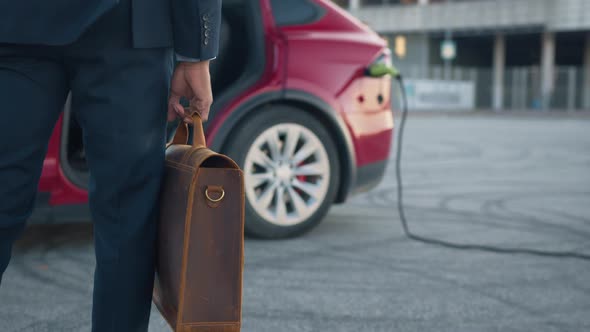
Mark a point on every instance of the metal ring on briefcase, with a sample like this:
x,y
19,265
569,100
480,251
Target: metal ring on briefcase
x,y
215,200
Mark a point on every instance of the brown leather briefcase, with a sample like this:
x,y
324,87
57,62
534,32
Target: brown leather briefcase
x,y
200,237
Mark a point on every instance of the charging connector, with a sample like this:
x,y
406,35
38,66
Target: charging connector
x,y
382,69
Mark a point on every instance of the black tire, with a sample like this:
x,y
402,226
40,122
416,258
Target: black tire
x,y
239,144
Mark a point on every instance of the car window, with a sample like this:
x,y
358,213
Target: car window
x,y
293,12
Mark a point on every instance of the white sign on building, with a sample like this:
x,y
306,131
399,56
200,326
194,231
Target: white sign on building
x,y
440,95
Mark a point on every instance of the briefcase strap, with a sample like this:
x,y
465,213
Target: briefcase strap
x,y
181,135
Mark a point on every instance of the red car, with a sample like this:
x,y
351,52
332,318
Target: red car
x,y
294,106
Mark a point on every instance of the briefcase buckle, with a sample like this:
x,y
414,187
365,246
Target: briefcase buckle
x,y
215,189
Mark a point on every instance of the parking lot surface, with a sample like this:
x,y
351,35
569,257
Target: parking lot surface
x,y
507,180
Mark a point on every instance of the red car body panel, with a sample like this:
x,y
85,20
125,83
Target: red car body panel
x,y
340,48
53,180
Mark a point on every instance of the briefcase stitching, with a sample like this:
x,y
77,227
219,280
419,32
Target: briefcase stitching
x,y
187,228
185,170
211,324
180,166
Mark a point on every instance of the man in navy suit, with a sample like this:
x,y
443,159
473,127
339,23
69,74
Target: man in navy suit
x,y
116,59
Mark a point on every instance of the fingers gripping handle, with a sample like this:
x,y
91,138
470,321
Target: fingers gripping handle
x,y
181,135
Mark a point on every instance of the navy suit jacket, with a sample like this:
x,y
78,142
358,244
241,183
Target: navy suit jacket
x,y
190,26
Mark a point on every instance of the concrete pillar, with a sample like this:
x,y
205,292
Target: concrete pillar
x,y
354,5
525,103
547,68
571,89
499,71
586,91
515,89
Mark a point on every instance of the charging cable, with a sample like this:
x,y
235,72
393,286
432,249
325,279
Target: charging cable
x,y
380,71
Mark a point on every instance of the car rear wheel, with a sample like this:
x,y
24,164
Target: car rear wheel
x,y
291,171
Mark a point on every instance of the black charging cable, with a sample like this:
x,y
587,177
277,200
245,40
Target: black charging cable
x,y
446,244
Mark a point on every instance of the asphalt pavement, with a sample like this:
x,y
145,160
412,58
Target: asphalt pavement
x,y
507,180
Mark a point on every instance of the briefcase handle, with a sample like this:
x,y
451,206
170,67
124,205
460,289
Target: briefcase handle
x,y
181,135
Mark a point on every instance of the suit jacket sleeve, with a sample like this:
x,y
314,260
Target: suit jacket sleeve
x,y
196,25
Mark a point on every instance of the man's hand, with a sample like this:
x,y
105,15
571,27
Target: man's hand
x,y
192,81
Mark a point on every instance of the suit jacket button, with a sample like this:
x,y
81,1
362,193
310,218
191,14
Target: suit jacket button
x,y
206,41
205,17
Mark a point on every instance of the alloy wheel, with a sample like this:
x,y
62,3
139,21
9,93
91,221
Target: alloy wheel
x,y
287,174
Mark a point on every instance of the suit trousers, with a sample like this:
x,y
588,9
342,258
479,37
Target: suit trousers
x,y
119,96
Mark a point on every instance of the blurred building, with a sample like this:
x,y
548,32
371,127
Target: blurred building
x,y
518,53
